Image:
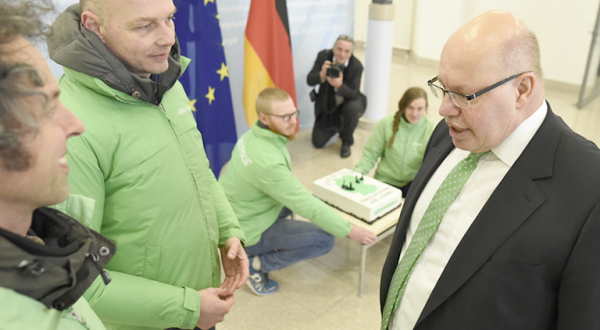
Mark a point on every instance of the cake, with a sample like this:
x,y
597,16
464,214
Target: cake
x,y
361,196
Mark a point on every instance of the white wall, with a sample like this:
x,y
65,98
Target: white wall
x,y
404,11
564,29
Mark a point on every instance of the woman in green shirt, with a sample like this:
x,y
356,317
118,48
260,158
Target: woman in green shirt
x,y
399,141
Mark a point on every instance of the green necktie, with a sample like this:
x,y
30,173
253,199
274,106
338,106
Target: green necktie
x,y
443,198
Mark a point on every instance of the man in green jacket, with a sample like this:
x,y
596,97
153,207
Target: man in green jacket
x,y
139,173
47,259
259,184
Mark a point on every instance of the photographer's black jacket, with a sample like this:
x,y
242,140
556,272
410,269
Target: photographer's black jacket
x,y
350,89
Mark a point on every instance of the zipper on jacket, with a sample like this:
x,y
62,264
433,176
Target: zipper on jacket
x,y
160,106
95,257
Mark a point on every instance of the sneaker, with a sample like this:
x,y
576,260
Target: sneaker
x,y
345,151
260,283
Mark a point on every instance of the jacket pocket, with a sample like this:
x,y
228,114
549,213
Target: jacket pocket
x,y
152,262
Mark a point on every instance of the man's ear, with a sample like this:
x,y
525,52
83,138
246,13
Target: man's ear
x,y
92,22
527,83
263,119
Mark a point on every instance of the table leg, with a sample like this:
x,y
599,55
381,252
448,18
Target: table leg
x,y
363,266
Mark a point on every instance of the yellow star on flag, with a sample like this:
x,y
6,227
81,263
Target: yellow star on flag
x,y
207,1
217,16
223,71
211,95
192,103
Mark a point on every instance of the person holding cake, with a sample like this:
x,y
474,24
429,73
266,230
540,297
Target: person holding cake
x,y
260,186
399,141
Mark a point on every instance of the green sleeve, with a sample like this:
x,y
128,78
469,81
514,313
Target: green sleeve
x,y
228,222
133,300
127,299
374,148
278,182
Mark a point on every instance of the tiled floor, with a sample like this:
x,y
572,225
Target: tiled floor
x,y
322,293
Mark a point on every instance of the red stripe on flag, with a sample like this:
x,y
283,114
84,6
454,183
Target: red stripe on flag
x,y
267,35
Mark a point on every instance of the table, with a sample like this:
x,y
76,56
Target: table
x,y
382,228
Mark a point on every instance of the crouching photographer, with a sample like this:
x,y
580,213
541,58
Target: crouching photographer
x,y
338,101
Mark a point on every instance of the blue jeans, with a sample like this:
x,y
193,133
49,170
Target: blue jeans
x,y
287,242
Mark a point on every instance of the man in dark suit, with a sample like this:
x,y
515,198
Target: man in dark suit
x,y
339,102
518,246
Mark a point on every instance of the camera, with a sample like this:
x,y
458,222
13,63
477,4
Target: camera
x,y
334,70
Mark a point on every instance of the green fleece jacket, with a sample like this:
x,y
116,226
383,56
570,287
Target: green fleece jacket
x,y
258,182
139,176
400,163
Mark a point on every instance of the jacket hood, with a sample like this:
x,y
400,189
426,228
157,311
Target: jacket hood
x,y
59,271
75,47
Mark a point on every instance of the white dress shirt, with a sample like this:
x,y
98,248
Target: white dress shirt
x,y
490,170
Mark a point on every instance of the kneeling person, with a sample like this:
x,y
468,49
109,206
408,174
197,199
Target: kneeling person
x,y
260,186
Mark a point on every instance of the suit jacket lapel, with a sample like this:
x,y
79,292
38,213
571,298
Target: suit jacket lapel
x,y
511,203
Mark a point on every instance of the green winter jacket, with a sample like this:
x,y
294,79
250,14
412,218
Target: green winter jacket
x,y
23,313
41,285
400,163
258,182
139,175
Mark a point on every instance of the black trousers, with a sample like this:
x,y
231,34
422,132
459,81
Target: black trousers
x,y
343,120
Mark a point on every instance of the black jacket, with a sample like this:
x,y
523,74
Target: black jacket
x,y
350,89
58,272
530,260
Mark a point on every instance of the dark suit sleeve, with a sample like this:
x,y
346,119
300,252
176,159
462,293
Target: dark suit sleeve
x,y
579,291
314,77
350,89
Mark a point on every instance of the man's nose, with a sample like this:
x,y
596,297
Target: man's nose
x,y
448,108
167,34
71,125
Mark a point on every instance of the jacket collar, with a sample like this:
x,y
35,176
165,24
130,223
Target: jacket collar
x,y
60,271
260,130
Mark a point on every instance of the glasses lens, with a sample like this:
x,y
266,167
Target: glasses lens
x,y
460,100
437,91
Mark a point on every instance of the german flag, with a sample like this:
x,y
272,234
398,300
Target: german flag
x,y
268,53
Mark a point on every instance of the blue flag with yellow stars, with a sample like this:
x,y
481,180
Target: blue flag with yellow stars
x,y
206,79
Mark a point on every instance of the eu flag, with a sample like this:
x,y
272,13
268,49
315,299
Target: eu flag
x,y
206,79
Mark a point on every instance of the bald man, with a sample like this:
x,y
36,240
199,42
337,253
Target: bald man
x,y
512,241
139,174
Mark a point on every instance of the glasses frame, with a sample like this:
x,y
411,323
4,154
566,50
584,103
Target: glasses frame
x,y
286,118
468,97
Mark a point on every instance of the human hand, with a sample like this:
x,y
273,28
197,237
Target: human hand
x,y
236,266
213,307
336,82
324,67
362,235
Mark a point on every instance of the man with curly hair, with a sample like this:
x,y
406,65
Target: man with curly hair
x,y
48,259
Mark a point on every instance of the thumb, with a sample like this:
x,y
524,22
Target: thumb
x,y
233,251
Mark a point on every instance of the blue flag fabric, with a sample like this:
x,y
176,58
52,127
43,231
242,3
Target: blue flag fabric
x,y
206,80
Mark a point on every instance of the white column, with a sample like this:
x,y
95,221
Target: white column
x,y
378,59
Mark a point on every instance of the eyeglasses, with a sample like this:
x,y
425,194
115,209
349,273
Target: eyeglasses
x,y
461,100
286,118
